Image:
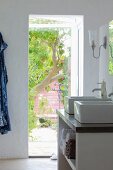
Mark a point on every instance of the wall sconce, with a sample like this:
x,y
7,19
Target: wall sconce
x,y
93,42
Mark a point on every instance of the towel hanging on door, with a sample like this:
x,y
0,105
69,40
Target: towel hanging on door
x,y
4,117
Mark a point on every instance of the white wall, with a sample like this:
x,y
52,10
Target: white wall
x,y
14,26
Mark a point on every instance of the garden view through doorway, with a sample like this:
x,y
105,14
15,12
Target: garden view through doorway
x,y
50,55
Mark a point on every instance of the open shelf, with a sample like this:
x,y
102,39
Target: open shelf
x,y
71,163
89,139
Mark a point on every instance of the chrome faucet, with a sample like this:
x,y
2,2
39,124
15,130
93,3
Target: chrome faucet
x,y
96,89
110,94
102,90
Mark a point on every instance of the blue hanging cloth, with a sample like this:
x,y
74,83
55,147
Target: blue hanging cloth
x,y
4,117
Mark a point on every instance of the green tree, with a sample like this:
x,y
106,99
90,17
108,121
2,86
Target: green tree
x,y
111,47
46,59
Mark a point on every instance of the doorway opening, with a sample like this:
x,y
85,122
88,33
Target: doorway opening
x,y
55,70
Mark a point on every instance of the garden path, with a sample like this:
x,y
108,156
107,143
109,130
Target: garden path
x,y
44,142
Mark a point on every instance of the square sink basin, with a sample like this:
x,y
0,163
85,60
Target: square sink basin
x,y
69,102
93,111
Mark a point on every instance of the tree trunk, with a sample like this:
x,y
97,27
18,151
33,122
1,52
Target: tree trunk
x,y
54,71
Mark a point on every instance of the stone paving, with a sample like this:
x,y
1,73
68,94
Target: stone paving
x,y
44,142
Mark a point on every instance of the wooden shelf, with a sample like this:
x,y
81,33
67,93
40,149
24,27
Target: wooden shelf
x,y
71,163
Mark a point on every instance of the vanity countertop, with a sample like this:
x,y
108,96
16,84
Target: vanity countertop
x,y
84,127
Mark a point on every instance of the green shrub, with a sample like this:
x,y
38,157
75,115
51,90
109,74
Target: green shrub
x,y
44,122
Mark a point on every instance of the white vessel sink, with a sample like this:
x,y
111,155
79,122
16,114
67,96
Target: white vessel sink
x,y
93,111
69,102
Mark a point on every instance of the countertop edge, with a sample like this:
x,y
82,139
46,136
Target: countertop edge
x,y
84,128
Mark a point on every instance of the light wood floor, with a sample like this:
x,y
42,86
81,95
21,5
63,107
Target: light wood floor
x,y
28,164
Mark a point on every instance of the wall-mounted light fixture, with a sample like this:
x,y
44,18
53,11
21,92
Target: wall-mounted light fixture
x,y
93,42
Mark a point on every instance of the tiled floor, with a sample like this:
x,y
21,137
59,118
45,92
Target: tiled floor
x,y
28,164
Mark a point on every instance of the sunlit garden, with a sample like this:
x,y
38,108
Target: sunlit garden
x,y
110,48
49,53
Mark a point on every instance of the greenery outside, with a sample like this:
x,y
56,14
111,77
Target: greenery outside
x,y
111,47
48,61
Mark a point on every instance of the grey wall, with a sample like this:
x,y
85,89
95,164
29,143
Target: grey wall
x,y
14,26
